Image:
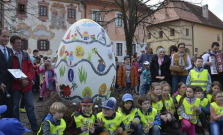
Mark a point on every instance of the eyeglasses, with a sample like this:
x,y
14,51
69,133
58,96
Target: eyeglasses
x,y
182,47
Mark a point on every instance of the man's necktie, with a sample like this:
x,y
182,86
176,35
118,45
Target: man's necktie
x,y
6,58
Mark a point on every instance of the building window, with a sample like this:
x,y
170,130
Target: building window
x,y
196,49
187,32
71,13
43,10
24,44
118,20
133,48
161,34
119,49
43,45
21,9
172,32
149,35
96,16
218,38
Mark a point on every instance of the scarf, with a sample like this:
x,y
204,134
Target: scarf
x,y
181,59
160,61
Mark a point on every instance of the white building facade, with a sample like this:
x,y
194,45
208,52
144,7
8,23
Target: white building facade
x,y
41,23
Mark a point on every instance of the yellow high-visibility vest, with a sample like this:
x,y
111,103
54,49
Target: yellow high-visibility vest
x,y
188,109
199,78
218,109
57,130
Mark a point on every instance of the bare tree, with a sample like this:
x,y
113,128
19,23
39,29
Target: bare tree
x,y
134,14
139,13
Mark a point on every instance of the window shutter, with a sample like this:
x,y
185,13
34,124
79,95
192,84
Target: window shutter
x,y
26,45
74,14
116,19
38,44
47,45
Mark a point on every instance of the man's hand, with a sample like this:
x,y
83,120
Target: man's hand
x,y
208,63
25,82
3,87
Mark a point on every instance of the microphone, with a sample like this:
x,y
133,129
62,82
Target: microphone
x,y
7,93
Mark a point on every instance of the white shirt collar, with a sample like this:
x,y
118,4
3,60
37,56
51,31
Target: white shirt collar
x,y
15,51
2,47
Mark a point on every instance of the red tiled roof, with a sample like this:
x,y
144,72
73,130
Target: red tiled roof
x,y
180,10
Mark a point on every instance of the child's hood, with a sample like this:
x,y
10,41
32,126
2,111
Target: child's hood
x,y
50,118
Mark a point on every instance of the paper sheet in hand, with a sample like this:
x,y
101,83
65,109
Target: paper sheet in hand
x,y
17,73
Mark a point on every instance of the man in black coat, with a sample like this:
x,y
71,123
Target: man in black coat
x,y
6,56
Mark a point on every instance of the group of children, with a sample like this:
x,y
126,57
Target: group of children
x,y
187,108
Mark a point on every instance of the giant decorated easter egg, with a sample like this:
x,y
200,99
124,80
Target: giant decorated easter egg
x,y
85,63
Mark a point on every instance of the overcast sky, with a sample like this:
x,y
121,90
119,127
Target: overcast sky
x,y
214,5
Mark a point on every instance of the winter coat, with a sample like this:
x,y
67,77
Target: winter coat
x,y
121,78
165,69
27,69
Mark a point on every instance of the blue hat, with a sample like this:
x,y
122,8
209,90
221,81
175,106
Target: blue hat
x,y
11,126
3,108
1,133
109,104
127,97
113,99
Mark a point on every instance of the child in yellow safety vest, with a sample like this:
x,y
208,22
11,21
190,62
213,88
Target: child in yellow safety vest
x,y
109,122
130,117
189,107
215,86
170,108
54,123
181,86
199,76
83,119
155,94
149,117
216,112
205,111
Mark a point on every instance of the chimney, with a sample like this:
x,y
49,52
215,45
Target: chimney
x,y
205,11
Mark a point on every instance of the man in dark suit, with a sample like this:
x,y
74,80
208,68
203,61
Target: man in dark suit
x,y
6,57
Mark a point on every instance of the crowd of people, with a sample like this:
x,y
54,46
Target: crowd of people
x,y
17,94
175,91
